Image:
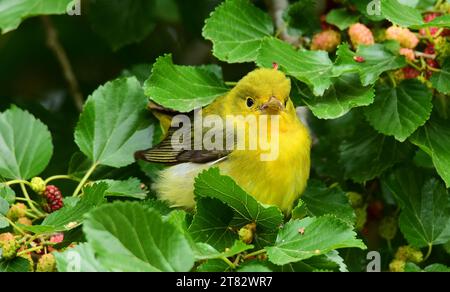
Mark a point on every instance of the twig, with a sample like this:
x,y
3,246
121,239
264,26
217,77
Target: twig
x,y
430,249
84,180
276,10
428,56
60,54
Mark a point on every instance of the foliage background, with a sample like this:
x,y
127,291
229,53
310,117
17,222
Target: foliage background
x,y
367,176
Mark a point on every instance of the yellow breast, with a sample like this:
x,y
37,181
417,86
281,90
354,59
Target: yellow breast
x,y
282,180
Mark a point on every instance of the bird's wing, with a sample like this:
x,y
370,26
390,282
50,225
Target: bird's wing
x,y
165,152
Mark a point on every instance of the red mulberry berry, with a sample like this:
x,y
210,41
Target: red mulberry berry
x,y
410,73
54,198
427,18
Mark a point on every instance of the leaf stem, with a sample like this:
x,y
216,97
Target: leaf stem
x,y
392,79
31,215
414,66
29,250
62,176
17,181
228,262
29,201
15,226
84,179
430,249
255,253
433,69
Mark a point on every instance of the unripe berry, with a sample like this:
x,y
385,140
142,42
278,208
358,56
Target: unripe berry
x,y
16,211
247,232
327,40
404,36
360,35
46,263
361,218
37,185
24,221
9,249
408,253
356,200
408,53
397,266
6,236
388,228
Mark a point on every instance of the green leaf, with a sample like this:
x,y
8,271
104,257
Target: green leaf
x,y
25,145
302,15
400,14
399,111
254,267
130,188
158,205
310,67
12,12
345,93
4,206
212,224
377,59
342,18
434,138
183,88
130,237
122,22
321,200
236,29
441,79
213,266
211,184
17,264
320,236
411,267
113,125
3,222
330,261
7,194
425,216
437,268
78,259
367,154
140,71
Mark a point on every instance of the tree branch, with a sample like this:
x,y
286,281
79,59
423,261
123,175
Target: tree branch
x,y
61,55
276,10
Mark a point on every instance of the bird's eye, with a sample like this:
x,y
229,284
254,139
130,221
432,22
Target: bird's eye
x,y
250,102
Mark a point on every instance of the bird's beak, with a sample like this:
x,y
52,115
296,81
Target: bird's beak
x,y
273,105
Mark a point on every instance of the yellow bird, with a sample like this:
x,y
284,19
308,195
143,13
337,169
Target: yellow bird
x,y
279,181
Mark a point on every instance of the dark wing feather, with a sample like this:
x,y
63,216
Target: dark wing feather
x,y
165,153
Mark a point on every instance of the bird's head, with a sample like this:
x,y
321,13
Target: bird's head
x,y
262,91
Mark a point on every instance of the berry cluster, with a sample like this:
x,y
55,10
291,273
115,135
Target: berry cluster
x,y
425,50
